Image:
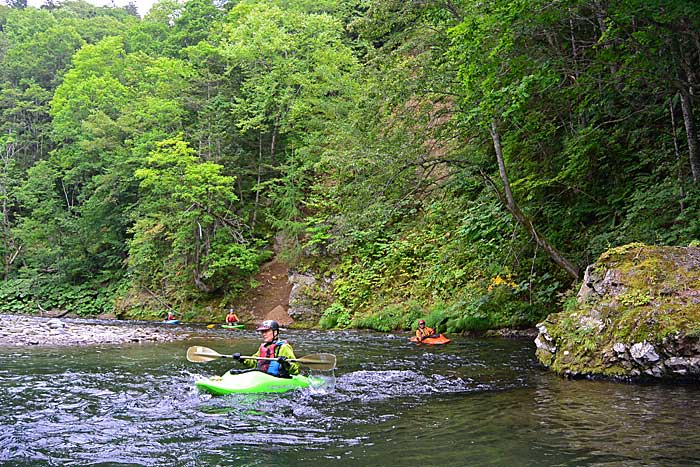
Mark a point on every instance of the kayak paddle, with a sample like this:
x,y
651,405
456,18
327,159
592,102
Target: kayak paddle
x,y
317,361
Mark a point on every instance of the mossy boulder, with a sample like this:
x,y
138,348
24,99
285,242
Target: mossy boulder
x,y
309,297
637,316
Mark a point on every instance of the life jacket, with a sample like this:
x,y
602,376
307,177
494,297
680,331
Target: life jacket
x,y
425,332
272,367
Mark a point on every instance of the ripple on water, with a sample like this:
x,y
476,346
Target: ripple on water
x,y
477,402
389,384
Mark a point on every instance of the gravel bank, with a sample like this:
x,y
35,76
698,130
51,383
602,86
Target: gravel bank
x,y
17,330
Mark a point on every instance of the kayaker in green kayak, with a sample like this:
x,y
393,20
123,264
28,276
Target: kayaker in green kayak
x,y
272,347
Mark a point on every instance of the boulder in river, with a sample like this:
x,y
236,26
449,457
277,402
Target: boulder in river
x,y
637,316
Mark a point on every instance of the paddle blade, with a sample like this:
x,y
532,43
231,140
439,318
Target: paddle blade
x,y
199,354
318,361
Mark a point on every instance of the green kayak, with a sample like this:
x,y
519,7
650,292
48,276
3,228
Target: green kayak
x,y
233,326
254,382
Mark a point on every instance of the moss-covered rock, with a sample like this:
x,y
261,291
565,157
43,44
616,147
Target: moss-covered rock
x,y
308,298
637,316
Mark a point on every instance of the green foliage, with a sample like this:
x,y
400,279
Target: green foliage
x,y
38,47
634,298
193,22
389,317
429,266
185,228
569,302
31,295
335,316
174,149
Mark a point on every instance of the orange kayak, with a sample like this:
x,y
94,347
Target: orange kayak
x,y
441,339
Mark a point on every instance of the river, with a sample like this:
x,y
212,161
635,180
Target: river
x,y
473,402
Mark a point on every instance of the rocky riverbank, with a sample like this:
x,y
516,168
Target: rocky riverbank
x,y
637,317
19,330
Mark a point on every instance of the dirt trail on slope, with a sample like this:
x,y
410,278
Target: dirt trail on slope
x,y
270,300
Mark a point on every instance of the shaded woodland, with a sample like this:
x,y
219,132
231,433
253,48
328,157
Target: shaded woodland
x,y
458,160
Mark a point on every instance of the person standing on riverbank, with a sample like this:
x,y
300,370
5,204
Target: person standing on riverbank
x,y
424,331
272,347
232,317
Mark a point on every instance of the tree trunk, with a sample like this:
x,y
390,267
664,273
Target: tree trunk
x,y
273,148
196,273
259,174
4,182
519,216
685,90
690,133
601,14
677,152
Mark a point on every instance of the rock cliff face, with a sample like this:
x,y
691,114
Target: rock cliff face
x,y
308,298
637,316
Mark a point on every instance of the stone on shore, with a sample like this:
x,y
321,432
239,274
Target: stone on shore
x,y
21,330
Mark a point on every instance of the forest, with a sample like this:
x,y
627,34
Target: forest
x,y
457,160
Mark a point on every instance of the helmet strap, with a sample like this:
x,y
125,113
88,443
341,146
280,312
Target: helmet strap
x,y
275,335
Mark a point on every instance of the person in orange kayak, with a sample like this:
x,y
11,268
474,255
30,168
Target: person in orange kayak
x,y
272,347
424,331
231,317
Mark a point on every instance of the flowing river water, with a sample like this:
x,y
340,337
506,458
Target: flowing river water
x,y
473,402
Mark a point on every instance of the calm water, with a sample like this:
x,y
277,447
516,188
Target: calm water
x,y
474,402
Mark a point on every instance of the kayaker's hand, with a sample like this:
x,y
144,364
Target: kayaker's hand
x,y
283,361
237,357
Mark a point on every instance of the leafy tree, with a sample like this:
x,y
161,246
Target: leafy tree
x,y
194,22
26,123
44,232
186,231
107,114
38,47
296,77
9,182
